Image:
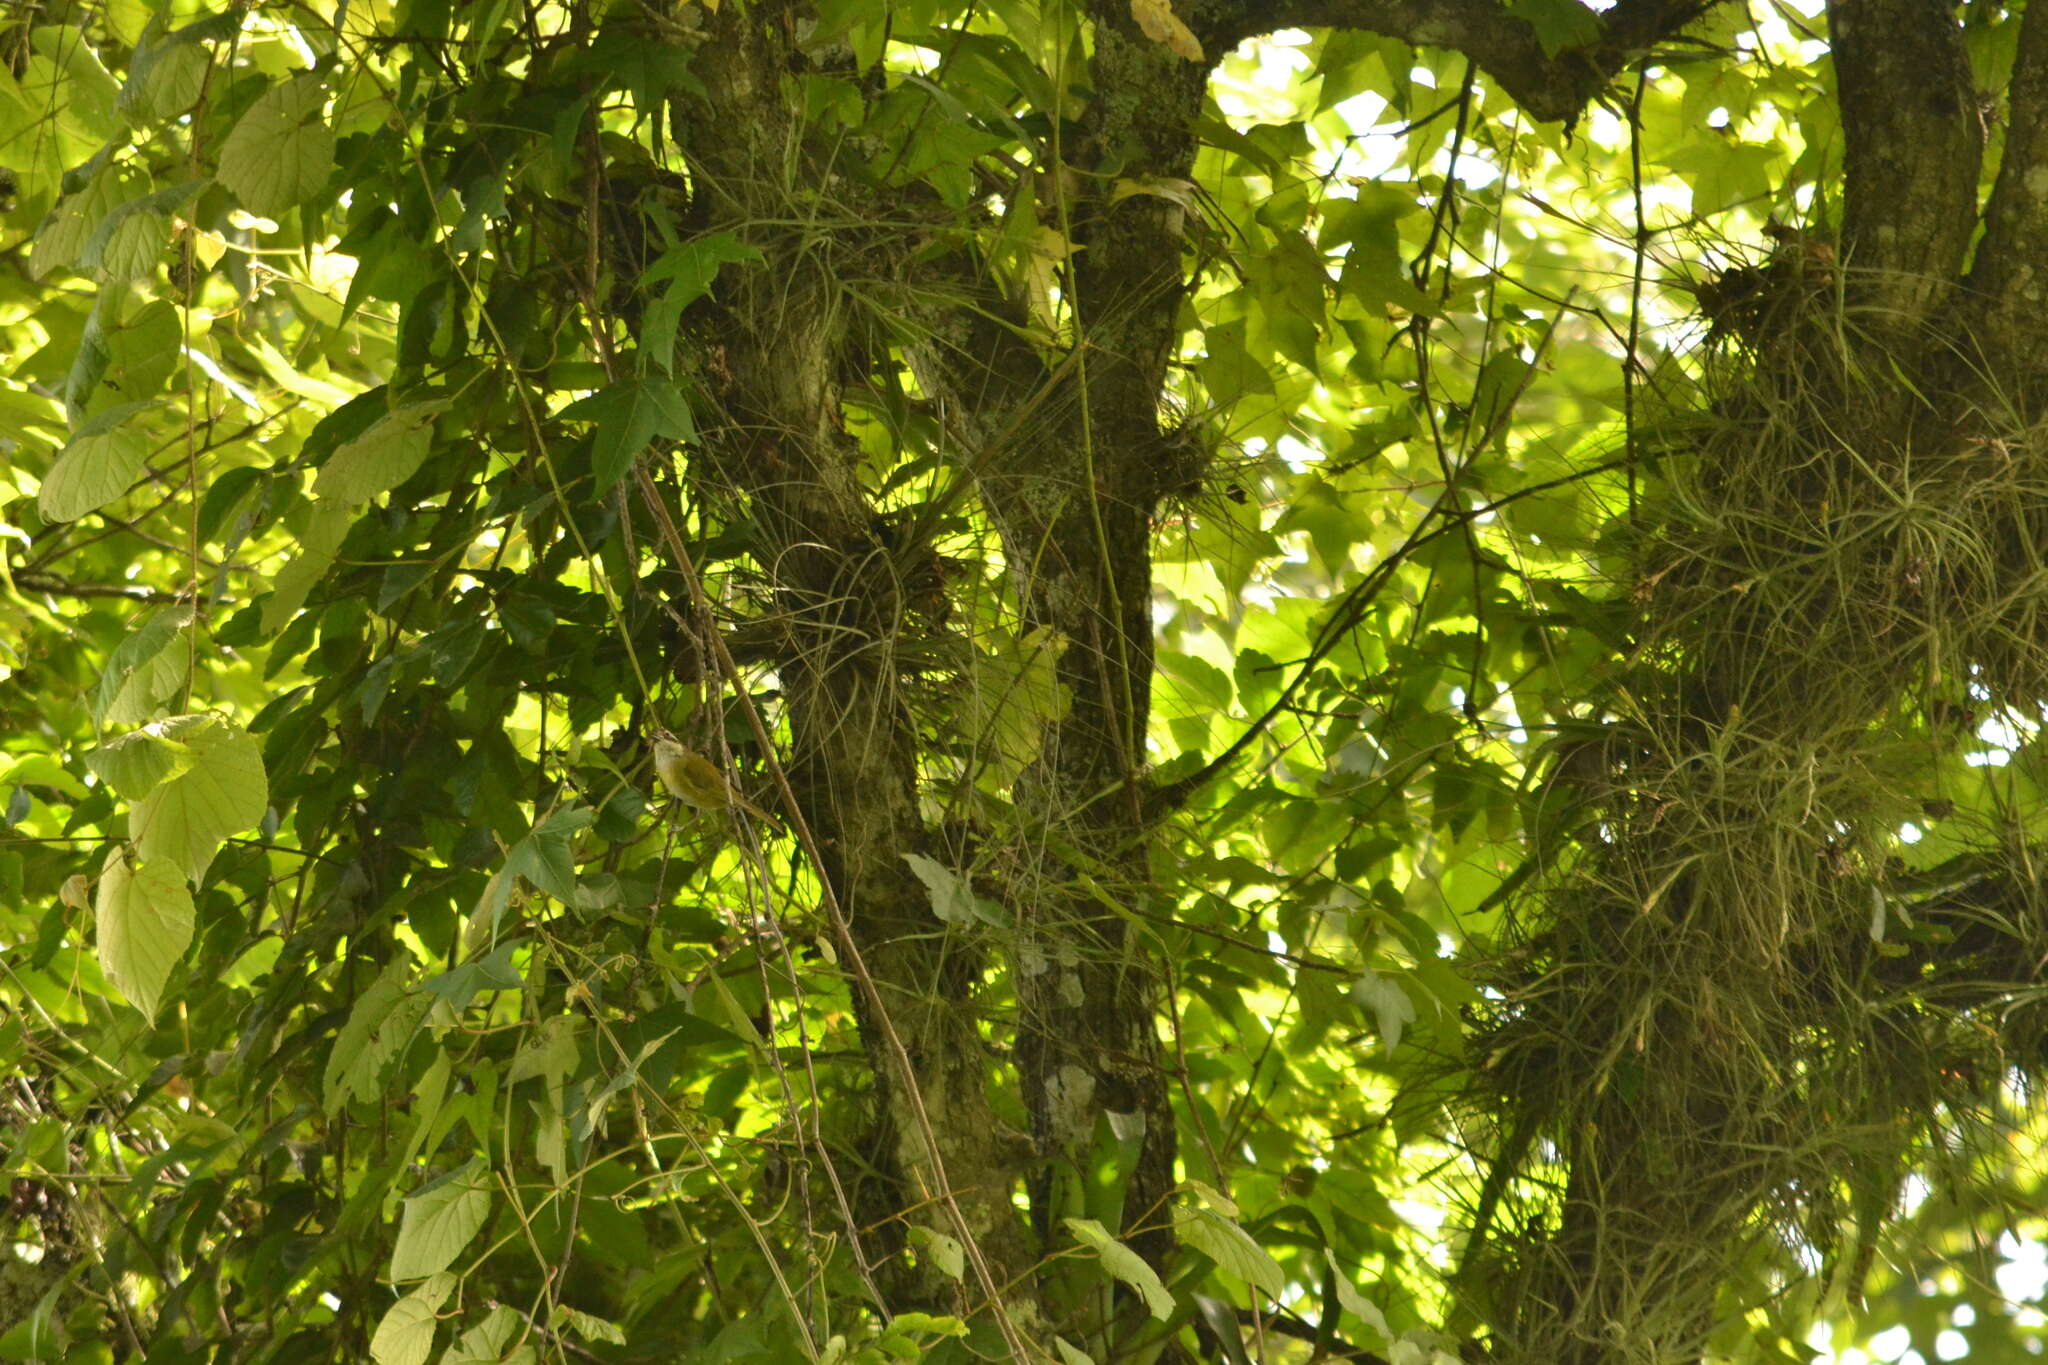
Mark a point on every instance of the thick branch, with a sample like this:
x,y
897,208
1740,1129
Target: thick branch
x,y
1550,85
2011,273
787,337
1912,146
62,587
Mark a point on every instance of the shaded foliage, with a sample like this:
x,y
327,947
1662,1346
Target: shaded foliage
x,y
1067,682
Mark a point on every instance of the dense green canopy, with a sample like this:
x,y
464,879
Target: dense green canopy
x,y
1333,680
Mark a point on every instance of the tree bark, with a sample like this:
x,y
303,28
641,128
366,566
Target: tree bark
x,y
1913,145
787,337
2008,307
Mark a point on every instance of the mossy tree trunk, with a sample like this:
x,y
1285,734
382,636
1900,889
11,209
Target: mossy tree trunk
x,y
1840,565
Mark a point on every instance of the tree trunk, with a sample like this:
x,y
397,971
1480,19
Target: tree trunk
x,y
787,339
1706,1030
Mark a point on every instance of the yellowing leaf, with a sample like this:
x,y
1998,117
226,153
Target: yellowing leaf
x,y
282,151
440,1221
145,926
221,792
95,467
208,247
1158,22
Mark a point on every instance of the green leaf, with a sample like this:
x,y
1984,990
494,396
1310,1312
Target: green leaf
x,y
1355,1303
65,79
428,1099
927,1324
485,1343
142,671
136,763
124,357
545,856
405,1335
42,1334
222,792
1558,24
61,238
96,466
495,972
550,1053
628,415
1124,1263
1213,1197
282,151
696,263
324,533
589,1326
1231,1248
1724,174
166,77
380,1024
128,244
1388,1002
944,1251
441,1220
1012,694
168,71
35,419
382,458
128,241
1500,385
689,270
145,923
952,897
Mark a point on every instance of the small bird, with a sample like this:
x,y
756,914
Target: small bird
x,y
694,779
